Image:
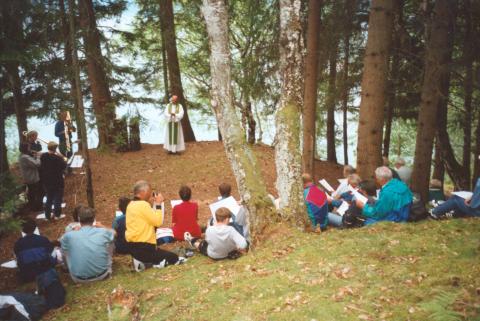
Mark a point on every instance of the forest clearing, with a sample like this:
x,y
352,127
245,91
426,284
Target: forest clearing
x,y
239,160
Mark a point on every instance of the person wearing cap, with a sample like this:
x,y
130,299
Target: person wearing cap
x,y
88,251
52,167
173,114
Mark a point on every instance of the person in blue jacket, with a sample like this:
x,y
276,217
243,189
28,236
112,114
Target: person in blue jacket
x,y
459,206
393,203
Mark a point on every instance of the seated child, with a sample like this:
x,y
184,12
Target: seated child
x,y
239,221
353,216
75,225
119,225
336,201
316,202
435,192
33,253
185,216
221,240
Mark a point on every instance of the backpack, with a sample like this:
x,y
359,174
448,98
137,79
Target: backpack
x,y
418,210
353,217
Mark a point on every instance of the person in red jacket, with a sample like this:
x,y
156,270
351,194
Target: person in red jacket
x,y
185,216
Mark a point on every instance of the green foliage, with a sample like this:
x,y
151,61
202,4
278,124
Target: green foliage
x,y
10,201
440,307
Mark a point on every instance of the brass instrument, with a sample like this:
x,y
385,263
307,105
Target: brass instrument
x,y
25,133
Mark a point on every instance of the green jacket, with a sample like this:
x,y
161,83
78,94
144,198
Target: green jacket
x,y
393,203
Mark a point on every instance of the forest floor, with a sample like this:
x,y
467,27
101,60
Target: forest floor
x,y
418,271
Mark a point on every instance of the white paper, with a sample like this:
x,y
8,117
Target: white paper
x,y
10,264
77,161
228,202
327,186
174,203
37,231
342,180
42,216
357,195
163,232
342,188
463,194
118,213
343,208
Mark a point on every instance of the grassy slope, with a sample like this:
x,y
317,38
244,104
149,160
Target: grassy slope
x,y
388,271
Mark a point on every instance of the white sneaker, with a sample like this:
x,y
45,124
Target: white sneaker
x,y
138,265
188,237
160,265
181,259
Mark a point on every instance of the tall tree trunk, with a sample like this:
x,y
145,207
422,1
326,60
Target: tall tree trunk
x,y
349,6
476,154
4,168
436,65
165,70
80,110
67,54
251,186
103,105
288,118
18,101
468,56
167,25
331,103
374,81
392,79
311,86
438,167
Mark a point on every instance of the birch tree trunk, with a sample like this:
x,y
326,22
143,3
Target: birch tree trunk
x,y
288,122
436,61
374,82
250,184
311,86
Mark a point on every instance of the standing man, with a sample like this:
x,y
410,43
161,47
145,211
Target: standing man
x,y
64,130
141,222
52,167
29,166
173,114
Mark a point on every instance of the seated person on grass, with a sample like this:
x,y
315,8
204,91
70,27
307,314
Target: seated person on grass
x,y
457,206
119,225
185,216
75,225
435,191
353,215
239,221
88,251
33,253
336,201
141,222
394,201
221,240
316,202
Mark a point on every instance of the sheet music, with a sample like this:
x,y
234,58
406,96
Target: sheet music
x,y
342,188
77,161
463,194
327,186
357,195
10,264
343,208
228,202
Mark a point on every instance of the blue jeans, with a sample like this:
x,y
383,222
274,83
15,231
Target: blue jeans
x,y
335,220
55,197
456,204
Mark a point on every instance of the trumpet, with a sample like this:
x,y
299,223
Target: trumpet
x,y
25,133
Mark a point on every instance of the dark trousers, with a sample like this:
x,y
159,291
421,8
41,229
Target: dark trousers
x,y
148,253
55,198
35,196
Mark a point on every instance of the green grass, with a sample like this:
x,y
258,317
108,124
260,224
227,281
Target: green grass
x,y
424,271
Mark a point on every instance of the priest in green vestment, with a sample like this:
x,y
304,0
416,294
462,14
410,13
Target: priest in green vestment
x,y
173,114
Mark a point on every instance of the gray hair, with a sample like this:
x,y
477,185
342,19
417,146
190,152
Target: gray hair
x,y
383,172
140,186
349,169
354,179
400,161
